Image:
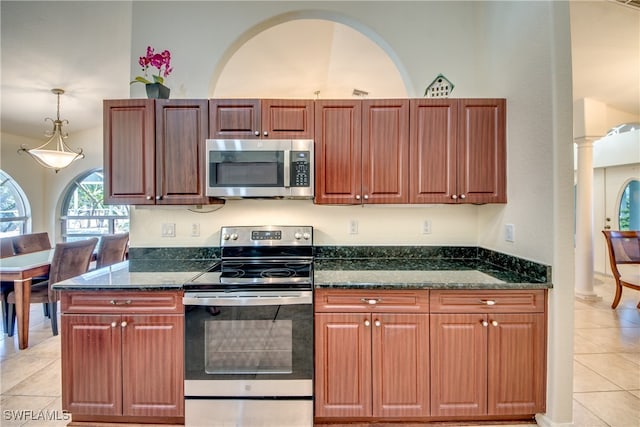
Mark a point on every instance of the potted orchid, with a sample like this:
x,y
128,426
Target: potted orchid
x,y
160,61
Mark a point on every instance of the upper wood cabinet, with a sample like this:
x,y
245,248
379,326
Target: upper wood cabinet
x,y
458,151
362,151
266,118
154,151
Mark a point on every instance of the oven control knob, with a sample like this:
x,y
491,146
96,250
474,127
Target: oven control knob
x,y
306,236
298,235
225,236
234,236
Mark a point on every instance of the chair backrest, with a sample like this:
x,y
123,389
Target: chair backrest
x,y
6,247
624,248
112,249
34,242
71,259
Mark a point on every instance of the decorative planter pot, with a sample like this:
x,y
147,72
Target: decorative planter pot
x,y
157,90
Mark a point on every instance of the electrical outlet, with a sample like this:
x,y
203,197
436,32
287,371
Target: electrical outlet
x,y
353,227
195,229
509,233
168,229
426,226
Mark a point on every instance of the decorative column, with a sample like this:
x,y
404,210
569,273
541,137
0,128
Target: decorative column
x,y
584,221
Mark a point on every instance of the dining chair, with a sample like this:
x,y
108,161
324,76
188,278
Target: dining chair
x,y
624,257
6,250
70,259
33,242
111,249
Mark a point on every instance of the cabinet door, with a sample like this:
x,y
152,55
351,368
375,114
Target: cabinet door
x,y
385,151
91,349
400,365
342,365
338,151
234,118
181,132
287,119
458,364
482,151
152,365
129,151
433,136
516,364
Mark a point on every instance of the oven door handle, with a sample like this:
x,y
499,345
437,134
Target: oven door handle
x,y
247,300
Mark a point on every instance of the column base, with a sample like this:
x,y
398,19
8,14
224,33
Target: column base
x,y
588,297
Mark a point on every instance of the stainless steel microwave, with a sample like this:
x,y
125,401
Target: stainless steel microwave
x,y
263,168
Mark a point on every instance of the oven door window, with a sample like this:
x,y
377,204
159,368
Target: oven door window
x,y
248,346
249,342
246,169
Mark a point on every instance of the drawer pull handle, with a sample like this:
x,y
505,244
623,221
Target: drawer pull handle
x,y
377,323
485,323
114,302
371,301
488,301
367,323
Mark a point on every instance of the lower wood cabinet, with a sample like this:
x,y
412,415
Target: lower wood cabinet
x,y
122,356
372,360
488,353
439,355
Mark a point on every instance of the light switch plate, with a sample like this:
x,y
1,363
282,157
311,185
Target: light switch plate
x,y
509,233
169,229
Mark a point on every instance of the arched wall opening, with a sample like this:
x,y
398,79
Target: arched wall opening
x,y
309,55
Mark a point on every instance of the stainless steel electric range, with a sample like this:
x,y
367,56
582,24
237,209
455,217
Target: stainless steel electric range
x,y
249,331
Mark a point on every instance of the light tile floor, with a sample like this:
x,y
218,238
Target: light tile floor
x,y
606,367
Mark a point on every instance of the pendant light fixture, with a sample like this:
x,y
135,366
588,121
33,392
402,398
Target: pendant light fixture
x,y
59,155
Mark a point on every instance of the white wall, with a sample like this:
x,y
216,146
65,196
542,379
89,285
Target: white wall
x,y
478,57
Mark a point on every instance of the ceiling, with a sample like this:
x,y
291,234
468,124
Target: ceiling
x,y
41,49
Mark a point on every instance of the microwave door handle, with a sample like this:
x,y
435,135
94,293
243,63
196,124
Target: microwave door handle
x,y
287,166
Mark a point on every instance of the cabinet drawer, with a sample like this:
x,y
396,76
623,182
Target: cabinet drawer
x,y
371,301
488,301
122,302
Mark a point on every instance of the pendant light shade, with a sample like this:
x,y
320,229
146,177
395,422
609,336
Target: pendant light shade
x,y
55,153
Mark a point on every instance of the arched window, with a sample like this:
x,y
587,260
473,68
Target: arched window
x,y
84,213
15,212
629,209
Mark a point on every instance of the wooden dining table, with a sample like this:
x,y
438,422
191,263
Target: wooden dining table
x,y
21,269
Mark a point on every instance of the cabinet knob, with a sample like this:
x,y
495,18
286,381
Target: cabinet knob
x,y
377,323
257,133
367,323
123,324
454,196
357,197
371,301
114,324
488,301
265,133
149,198
366,197
494,322
462,196
158,197
485,323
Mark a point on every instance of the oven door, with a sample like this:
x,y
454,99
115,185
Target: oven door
x,y
248,344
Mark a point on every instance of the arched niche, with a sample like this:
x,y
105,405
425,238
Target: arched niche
x,y
309,55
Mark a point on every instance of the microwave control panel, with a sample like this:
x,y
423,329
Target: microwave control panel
x,y
300,169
